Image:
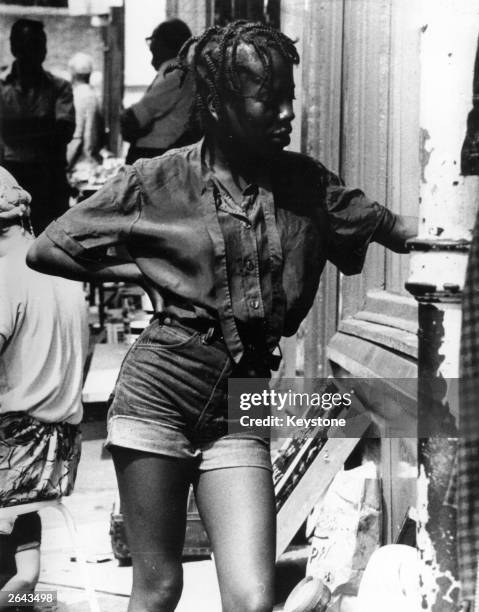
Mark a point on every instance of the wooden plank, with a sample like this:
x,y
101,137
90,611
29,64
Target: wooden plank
x,y
317,478
104,368
389,337
296,460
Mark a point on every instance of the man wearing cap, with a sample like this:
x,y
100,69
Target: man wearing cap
x,y
37,120
84,148
160,120
43,344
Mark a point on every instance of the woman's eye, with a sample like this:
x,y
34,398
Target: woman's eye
x,y
269,102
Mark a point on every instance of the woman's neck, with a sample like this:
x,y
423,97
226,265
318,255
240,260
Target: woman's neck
x,y
233,167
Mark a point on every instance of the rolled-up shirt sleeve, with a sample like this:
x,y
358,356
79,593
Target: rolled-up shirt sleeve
x,y
104,220
354,221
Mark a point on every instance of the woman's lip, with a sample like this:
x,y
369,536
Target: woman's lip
x,y
282,137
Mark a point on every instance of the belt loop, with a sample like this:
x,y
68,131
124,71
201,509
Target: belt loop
x,y
275,359
160,317
208,336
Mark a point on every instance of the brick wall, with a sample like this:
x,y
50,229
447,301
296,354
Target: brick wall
x,y
66,36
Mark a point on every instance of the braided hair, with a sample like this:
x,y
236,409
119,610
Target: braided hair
x,y
213,61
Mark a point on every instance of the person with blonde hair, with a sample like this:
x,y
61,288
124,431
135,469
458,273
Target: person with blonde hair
x,y
83,151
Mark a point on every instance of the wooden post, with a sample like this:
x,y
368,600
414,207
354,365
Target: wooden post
x,y
321,137
113,77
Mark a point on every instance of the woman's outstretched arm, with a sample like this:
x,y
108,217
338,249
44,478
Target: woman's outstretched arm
x,y
394,238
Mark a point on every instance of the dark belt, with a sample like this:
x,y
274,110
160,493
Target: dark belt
x,y
209,329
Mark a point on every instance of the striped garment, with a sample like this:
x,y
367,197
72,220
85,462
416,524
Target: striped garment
x,y
468,450
38,461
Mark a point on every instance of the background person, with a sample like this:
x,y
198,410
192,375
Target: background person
x,y
37,120
83,151
234,233
43,343
160,120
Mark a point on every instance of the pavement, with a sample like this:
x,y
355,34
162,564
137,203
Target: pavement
x,y
90,505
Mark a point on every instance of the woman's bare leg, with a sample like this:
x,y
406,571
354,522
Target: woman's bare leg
x,y
153,493
238,511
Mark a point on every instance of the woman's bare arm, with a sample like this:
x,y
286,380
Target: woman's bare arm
x,y
404,228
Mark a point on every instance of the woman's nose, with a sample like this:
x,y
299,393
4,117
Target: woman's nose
x,y
286,112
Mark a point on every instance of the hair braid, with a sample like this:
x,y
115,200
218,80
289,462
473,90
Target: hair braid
x,y
212,59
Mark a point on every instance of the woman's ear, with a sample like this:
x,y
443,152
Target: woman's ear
x,y
212,107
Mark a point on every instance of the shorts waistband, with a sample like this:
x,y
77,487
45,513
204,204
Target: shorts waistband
x,y
211,330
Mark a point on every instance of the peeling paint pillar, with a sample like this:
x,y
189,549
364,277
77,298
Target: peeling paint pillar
x,y
448,203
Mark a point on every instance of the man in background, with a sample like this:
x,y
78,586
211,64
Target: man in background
x,y
43,344
37,120
83,152
160,120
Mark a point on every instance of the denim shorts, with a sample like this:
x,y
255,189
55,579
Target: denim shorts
x,y
171,398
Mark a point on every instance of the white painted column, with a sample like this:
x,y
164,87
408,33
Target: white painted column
x,y
448,204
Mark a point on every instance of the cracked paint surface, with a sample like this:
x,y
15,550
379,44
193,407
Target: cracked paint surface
x,y
438,587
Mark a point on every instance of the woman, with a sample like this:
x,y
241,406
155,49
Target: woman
x,y
233,233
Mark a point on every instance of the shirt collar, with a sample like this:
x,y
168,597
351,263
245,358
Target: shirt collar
x,y
207,174
163,67
12,77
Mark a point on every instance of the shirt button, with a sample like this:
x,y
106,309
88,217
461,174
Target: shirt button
x,y
249,265
254,304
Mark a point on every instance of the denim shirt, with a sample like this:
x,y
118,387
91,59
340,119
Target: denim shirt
x,y
256,271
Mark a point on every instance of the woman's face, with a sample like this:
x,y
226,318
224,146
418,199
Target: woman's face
x,y
259,118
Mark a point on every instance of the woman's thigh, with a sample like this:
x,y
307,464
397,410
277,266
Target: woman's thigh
x,y
153,492
238,510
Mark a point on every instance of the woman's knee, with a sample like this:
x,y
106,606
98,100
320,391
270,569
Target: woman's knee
x,y
258,599
162,599
158,593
